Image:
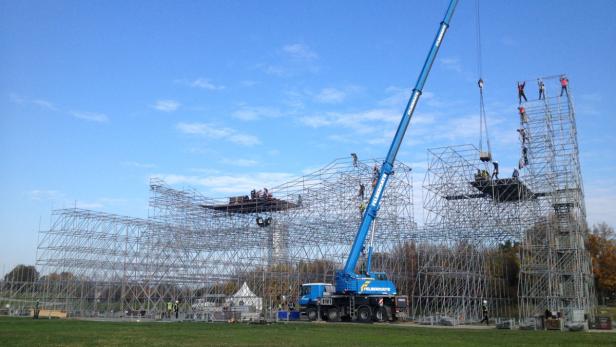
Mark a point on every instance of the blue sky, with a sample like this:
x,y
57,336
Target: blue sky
x,y
97,96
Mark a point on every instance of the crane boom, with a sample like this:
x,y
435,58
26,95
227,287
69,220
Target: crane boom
x,y
387,167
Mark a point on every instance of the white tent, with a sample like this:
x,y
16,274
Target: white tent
x,y
245,297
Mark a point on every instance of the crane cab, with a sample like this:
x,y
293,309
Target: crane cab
x,y
313,293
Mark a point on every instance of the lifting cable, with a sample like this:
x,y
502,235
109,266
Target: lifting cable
x,y
483,124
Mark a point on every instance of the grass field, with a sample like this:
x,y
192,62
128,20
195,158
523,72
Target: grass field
x,y
26,332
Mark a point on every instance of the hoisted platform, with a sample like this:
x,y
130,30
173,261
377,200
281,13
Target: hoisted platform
x,y
257,205
500,190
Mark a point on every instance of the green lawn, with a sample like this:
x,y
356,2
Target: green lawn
x,y
27,332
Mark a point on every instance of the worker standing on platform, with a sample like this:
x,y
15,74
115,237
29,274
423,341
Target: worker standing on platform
x,y
495,172
516,174
541,89
564,83
521,91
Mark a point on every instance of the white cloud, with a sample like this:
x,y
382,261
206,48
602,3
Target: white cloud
x,y
91,116
248,83
330,96
452,64
255,112
241,162
230,184
358,121
218,133
205,84
43,195
275,70
166,105
299,51
45,104
138,165
89,205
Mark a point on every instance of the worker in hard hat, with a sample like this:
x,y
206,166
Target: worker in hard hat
x,y
523,116
176,308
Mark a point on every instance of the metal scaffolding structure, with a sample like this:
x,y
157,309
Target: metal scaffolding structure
x,y
480,228
468,224
200,251
555,272
515,245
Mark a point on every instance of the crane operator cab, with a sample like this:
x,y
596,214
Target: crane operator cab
x,y
314,293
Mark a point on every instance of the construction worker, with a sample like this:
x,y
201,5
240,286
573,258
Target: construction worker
x,y
523,116
362,208
516,174
521,92
541,89
375,175
525,155
354,159
362,190
523,135
35,314
495,172
169,308
484,310
480,83
564,83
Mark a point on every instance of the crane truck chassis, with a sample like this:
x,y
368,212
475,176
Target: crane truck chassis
x,y
320,301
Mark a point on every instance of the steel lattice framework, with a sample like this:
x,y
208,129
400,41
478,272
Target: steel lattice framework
x,y
516,243
195,249
472,218
555,269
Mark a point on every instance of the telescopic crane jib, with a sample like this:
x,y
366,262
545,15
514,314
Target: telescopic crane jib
x,y
359,296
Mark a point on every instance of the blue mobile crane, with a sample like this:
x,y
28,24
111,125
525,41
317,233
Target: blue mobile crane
x,y
370,296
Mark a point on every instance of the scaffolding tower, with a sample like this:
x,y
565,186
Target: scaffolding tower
x,y
555,272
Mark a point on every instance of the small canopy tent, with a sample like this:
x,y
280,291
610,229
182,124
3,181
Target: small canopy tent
x,y
245,297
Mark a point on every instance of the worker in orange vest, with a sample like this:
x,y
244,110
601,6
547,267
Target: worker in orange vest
x,y
523,116
564,83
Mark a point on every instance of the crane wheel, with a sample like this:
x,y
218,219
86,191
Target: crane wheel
x,y
333,315
312,314
380,314
364,314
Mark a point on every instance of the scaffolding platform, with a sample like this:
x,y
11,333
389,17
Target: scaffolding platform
x,y
257,205
500,190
